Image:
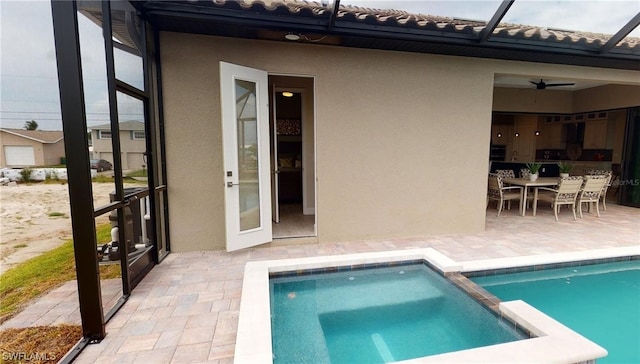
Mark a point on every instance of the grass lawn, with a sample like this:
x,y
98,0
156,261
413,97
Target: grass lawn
x,y
27,281
138,173
40,344
36,276
31,279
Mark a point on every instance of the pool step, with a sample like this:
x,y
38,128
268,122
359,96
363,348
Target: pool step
x,y
360,292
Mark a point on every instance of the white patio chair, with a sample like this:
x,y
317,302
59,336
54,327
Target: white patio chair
x,y
565,193
497,191
605,189
591,190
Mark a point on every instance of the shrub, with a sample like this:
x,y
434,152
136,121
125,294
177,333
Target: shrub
x,y
25,173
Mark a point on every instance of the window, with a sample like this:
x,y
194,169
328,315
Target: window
x,y
104,134
137,135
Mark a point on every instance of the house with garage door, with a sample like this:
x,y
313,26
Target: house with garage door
x,y
132,145
25,148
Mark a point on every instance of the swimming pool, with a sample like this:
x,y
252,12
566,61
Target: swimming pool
x,y
550,341
377,315
599,301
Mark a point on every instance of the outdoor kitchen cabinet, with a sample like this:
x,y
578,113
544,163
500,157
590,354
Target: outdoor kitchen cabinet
x,y
595,134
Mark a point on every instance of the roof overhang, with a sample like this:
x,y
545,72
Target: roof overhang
x,y
39,140
361,28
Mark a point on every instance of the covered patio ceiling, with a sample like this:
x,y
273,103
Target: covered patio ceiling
x,y
330,23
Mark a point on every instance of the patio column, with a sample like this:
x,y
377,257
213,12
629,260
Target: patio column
x,y
74,125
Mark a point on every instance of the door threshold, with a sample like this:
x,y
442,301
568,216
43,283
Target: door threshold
x,y
294,240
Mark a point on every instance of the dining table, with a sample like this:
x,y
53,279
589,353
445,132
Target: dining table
x,y
526,183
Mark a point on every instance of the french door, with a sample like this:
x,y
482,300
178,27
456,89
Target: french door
x,y
245,132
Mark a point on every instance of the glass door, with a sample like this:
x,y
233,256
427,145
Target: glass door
x,y
245,130
630,181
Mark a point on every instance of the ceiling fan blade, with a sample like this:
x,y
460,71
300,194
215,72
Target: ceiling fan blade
x,y
560,84
539,85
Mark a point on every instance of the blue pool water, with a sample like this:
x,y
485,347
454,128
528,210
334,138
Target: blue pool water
x,y
376,316
601,302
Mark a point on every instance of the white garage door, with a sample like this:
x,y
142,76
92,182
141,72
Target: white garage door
x,y
19,155
134,161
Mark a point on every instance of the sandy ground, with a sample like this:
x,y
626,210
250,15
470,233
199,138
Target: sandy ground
x,y
36,218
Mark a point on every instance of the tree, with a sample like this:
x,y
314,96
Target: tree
x,y
30,125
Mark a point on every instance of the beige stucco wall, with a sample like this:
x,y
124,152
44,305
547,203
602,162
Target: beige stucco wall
x,y
53,152
607,97
402,139
531,100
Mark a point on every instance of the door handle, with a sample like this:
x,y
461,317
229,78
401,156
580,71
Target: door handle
x,y
231,184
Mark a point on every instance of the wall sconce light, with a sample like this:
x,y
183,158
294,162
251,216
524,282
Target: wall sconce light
x,y
517,134
537,132
499,135
287,94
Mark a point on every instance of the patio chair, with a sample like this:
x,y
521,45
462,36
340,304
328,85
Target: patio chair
x,y
497,191
525,172
591,190
605,189
565,193
505,173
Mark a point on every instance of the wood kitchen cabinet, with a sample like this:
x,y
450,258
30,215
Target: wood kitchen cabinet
x,y
524,145
595,134
552,136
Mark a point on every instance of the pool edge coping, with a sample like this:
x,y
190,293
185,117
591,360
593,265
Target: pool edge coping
x,y
253,340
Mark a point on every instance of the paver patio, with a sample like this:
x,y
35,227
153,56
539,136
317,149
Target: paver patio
x,y
186,309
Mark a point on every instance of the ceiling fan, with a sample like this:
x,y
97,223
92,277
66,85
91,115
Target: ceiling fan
x,y
542,85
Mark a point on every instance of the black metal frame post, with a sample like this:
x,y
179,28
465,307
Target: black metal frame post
x,y
161,153
150,132
74,124
115,143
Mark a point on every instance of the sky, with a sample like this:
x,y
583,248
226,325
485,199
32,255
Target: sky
x,y
28,75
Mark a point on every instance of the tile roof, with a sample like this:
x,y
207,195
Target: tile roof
x,y
393,30
405,20
42,136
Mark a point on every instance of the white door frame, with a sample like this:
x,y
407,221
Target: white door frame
x,y
275,189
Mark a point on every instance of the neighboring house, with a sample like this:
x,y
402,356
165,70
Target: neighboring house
x,y
25,148
132,143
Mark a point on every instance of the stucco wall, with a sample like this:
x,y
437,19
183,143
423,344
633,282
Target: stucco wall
x,y
402,139
606,97
53,152
531,100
